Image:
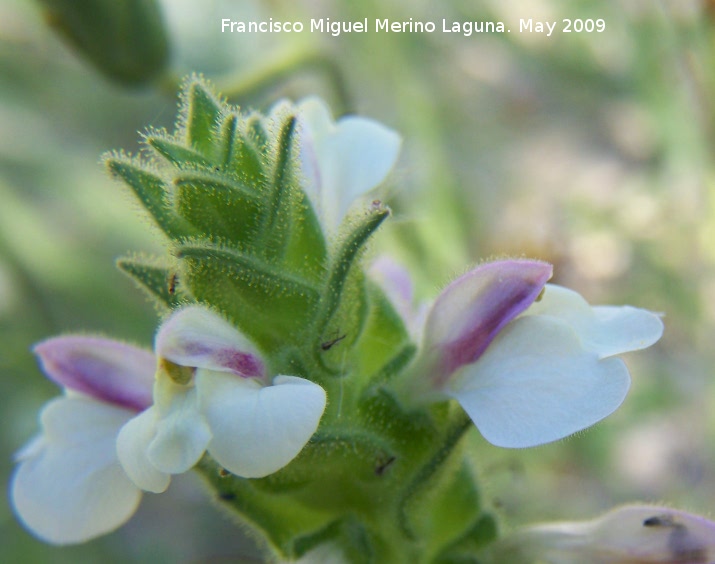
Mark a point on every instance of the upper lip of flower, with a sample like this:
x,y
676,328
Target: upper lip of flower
x,y
227,405
527,372
107,370
342,160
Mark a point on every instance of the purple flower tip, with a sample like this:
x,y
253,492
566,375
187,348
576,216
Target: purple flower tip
x,y
470,312
107,370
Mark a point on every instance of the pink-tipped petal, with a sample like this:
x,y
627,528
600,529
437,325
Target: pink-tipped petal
x,y
107,370
627,535
471,311
197,337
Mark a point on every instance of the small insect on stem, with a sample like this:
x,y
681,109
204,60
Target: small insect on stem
x,y
327,345
383,466
223,473
173,279
660,521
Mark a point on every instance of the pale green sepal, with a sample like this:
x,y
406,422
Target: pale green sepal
x,y
280,518
465,549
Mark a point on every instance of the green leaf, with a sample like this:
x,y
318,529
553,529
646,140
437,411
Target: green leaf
x,y
270,305
160,282
224,211
323,464
305,250
483,531
151,191
349,250
348,536
382,336
281,518
277,220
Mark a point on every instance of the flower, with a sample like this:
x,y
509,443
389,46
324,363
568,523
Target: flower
x,y
69,486
394,280
530,363
212,393
342,160
632,534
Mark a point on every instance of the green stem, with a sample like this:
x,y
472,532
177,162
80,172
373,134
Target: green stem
x,y
256,84
433,464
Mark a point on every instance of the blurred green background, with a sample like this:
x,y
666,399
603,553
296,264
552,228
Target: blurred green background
x,y
592,151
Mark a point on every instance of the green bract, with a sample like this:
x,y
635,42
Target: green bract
x,y
378,482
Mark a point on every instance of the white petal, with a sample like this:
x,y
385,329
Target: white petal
x,y
354,160
182,433
132,450
536,384
69,487
607,330
258,430
316,117
342,161
197,337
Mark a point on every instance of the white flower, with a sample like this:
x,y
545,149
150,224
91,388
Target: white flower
x,y
212,393
530,372
69,486
342,160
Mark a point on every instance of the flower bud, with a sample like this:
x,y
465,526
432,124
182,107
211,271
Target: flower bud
x,y
125,40
627,535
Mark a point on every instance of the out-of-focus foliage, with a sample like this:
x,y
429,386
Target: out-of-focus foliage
x,y
592,151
